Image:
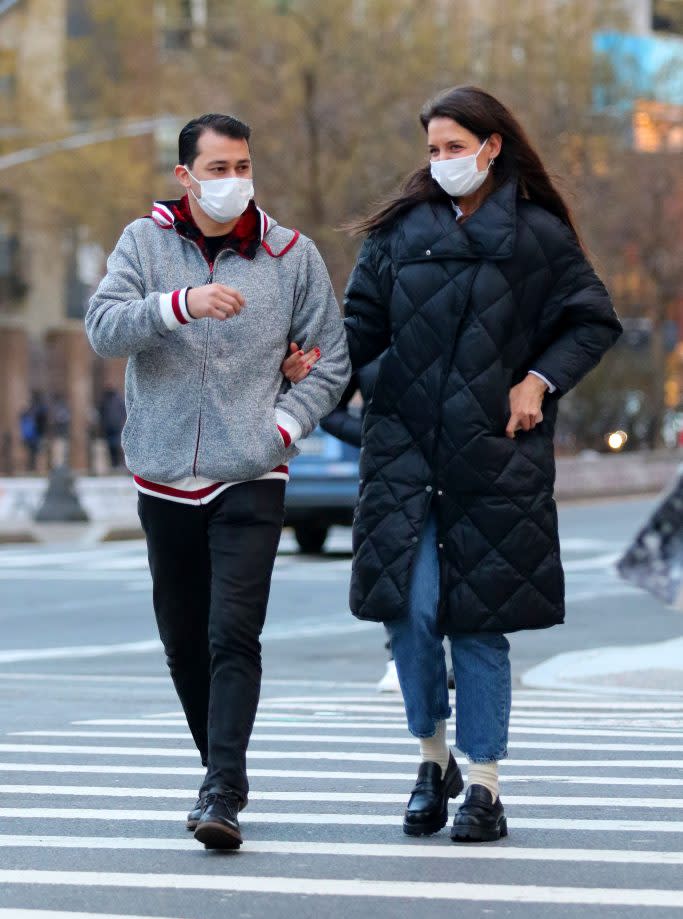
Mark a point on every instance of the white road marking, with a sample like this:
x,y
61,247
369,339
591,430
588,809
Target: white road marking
x,y
296,818
341,626
668,727
336,755
617,706
664,781
355,850
15,913
332,887
330,797
592,563
374,721
377,741
79,651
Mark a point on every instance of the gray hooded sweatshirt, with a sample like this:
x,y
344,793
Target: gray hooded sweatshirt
x,y
202,395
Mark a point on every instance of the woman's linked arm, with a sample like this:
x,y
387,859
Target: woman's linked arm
x,y
366,304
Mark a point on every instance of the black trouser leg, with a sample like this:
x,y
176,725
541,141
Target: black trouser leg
x,y
244,531
177,548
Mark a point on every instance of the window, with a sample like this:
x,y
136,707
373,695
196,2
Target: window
x,y
12,286
84,269
8,84
189,24
667,16
177,22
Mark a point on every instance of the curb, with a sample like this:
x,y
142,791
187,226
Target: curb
x,y
624,669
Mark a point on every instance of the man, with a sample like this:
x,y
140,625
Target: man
x,y
203,298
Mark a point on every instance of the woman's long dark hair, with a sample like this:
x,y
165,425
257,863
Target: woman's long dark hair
x,y
481,114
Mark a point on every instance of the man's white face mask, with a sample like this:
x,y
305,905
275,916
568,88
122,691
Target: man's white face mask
x,y
223,199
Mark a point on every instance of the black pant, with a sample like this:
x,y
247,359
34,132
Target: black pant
x,y
211,570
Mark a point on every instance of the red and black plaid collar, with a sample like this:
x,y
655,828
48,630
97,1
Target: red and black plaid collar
x,y
244,239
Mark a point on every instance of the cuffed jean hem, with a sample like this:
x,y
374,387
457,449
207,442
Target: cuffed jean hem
x,y
426,734
486,758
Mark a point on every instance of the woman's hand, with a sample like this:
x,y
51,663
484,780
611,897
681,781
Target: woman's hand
x,y
297,365
526,399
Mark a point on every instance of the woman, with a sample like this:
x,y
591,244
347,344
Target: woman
x,y
474,278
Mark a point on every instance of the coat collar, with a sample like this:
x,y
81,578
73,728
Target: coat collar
x,y
431,231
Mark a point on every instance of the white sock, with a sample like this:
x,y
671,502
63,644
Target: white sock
x,y
485,774
435,749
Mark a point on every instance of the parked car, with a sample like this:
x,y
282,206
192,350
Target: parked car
x,y
322,490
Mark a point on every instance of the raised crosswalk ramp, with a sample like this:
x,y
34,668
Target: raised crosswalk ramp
x,y
93,813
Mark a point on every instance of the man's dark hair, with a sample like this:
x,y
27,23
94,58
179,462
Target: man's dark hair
x,y
193,130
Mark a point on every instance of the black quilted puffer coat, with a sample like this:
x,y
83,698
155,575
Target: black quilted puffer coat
x,y
466,310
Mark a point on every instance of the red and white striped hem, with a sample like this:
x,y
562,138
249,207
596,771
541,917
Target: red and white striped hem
x,y
173,308
200,496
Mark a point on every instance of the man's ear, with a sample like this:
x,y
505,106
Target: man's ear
x,y
183,176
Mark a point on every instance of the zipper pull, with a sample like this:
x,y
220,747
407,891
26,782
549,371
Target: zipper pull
x,y
210,278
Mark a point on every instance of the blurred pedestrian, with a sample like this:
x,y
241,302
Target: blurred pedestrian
x,y
474,278
60,425
30,437
204,299
112,418
33,429
654,559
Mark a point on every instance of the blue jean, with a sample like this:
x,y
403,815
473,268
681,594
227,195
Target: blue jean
x,y
481,666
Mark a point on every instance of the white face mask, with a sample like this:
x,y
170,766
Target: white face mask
x,y
223,199
459,176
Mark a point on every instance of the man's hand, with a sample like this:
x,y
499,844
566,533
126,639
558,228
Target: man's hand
x,y
526,399
214,301
297,365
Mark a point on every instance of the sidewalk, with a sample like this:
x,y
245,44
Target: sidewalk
x,y
111,501
80,534
656,668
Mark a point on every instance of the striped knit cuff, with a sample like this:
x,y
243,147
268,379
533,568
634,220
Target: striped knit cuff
x,y
173,308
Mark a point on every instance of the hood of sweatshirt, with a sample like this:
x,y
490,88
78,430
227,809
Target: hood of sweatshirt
x,y
251,231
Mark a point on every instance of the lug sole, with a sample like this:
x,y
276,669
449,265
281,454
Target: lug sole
x,y
218,836
479,834
425,829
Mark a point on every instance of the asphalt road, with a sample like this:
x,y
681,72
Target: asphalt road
x,y
97,768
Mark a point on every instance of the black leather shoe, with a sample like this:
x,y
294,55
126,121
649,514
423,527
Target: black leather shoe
x,y
479,818
218,826
427,810
195,814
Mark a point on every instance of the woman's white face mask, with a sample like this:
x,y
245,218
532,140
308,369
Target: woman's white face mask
x,y
459,176
223,200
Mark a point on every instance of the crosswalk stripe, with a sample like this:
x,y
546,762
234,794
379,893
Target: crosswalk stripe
x,y
405,740
386,706
509,779
619,825
333,887
398,717
343,797
337,755
598,742
517,725
355,850
59,914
